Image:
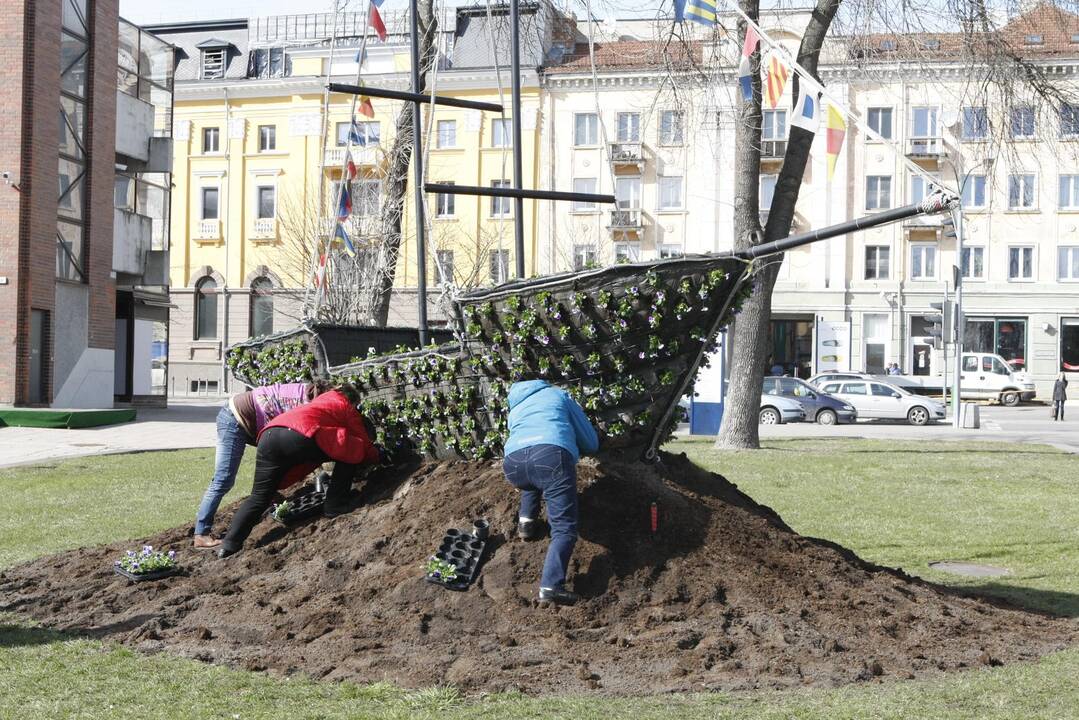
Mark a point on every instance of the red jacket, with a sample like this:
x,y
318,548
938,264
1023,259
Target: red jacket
x,y
332,422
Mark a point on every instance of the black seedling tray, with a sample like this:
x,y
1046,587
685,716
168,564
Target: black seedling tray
x,y
145,577
464,551
303,507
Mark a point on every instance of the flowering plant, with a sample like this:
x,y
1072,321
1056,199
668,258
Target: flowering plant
x,y
281,510
147,561
440,569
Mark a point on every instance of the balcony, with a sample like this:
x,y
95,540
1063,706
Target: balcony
x,y
925,147
627,153
208,230
335,156
131,240
626,220
265,230
925,221
773,149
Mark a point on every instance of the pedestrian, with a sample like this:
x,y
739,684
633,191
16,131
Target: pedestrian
x,y
238,424
548,431
1060,396
293,444
893,369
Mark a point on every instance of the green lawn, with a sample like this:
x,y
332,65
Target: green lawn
x,y
894,503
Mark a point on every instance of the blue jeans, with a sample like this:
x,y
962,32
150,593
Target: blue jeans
x,y
231,442
548,471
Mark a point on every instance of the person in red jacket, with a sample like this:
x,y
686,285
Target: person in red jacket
x,y
293,444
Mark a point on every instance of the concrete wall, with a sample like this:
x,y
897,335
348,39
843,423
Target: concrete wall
x,y
131,239
134,126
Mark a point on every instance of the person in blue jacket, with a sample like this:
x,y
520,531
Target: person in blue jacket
x,y
548,432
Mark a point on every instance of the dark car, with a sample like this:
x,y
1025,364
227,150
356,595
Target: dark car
x,y
820,407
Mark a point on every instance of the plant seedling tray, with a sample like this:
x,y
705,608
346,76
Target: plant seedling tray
x,y
464,550
303,507
146,576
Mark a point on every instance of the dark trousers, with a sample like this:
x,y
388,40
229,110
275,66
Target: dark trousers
x,y
1058,409
279,450
548,471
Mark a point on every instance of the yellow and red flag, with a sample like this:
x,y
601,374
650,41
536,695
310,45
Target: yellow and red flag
x,y
365,107
777,80
837,130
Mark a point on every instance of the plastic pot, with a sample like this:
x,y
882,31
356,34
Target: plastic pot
x,y
481,528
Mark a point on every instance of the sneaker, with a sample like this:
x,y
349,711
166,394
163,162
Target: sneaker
x,y
529,529
225,551
205,542
558,596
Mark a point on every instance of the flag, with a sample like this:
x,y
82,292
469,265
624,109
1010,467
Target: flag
x,y
355,137
341,235
374,19
807,111
350,166
700,11
344,203
837,129
777,80
679,10
365,107
745,72
319,279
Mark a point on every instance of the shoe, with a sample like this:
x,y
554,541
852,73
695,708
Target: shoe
x,y
205,542
226,551
558,596
529,529
333,510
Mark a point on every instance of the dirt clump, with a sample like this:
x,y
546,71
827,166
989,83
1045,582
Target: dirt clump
x,y
723,596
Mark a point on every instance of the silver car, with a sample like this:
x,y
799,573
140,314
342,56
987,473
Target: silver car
x,y
776,410
877,399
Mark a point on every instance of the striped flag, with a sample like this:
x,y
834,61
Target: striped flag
x,y
807,111
319,279
701,11
344,203
350,166
365,107
341,235
745,71
355,137
777,80
837,130
374,19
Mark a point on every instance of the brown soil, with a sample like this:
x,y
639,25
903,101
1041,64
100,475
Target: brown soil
x,y
724,596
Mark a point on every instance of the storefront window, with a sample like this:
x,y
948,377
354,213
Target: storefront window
x,y
792,347
1006,337
1069,344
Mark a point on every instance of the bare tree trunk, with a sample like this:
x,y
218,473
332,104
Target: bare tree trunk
x,y
753,325
396,184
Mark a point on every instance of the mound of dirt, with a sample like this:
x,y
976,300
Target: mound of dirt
x,y
723,596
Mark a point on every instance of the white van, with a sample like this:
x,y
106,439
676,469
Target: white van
x,y
987,376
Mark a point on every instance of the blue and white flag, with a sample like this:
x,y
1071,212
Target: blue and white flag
x,y
355,137
700,11
745,70
807,111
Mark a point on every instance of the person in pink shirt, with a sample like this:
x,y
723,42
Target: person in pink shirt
x,y
238,424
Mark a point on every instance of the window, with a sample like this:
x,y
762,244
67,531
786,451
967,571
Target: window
x,y
627,193
447,134
1004,336
774,125
1021,191
1069,121
767,192
626,252
670,250
1075,38
584,256
585,129
629,127
883,390
267,138
1034,39
974,192
213,64
924,122
975,123
584,185
500,206
502,133
366,197
1068,197
877,260
853,389
880,121
267,202
445,203
267,63
933,44
1022,122
670,192
923,262
444,267
973,262
367,133
1020,263
878,192
921,188
670,127
209,203
261,307
887,45
1069,344
206,309
500,266
877,334
211,140
1068,263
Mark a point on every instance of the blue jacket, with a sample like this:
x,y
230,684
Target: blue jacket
x,y
545,415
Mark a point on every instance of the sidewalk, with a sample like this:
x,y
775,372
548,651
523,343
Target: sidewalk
x,y
184,424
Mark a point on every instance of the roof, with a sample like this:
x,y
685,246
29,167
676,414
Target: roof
x,y
630,55
213,43
191,38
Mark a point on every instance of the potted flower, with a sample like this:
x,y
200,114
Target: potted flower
x,y
281,510
440,571
148,564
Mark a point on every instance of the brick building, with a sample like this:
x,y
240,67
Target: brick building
x,y
77,253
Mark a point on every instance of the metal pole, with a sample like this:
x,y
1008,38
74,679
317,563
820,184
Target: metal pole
x,y
518,202
417,162
957,220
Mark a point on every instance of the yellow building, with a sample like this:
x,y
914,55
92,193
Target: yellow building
x,y
258,148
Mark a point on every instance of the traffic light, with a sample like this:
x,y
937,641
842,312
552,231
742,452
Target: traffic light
x,y
936,323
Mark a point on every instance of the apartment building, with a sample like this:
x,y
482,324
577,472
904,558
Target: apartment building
x,y
663,142
259,154
87,97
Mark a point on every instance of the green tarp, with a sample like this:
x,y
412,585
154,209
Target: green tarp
x,y
64,419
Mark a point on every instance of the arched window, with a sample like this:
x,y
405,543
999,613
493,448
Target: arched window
x,y
261,307
206,309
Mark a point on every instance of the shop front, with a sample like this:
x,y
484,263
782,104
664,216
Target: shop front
x,y
1006,336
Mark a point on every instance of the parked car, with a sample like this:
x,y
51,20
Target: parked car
x,y
820,407
776,410
877,399
988,376
819,379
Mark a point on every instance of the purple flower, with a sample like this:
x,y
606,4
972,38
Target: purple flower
x,y
172,554
147,549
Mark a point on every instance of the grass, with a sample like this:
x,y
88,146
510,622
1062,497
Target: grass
x,y
894,503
